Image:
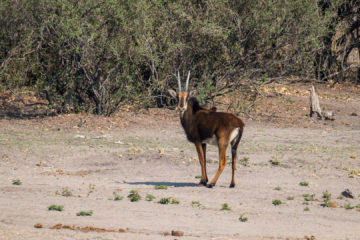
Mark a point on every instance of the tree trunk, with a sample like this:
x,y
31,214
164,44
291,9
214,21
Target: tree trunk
x,y
315,104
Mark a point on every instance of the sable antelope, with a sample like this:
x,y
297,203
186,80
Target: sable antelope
x,y
206,126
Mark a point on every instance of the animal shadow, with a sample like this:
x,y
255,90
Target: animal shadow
x,y
169,184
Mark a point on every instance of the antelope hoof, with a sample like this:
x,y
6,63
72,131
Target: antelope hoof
x,y
210,185
203,182
232,185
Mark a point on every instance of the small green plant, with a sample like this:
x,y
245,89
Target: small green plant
x,y
326,196
243,219
134,196
157,187
168,200
275,160
91,189
278,188
55,208
149,197
85,213
117,197
174,201
16,182
290,198
309,197
225,206
306,209
196,203
276,202
304,184
164,201
325,204
66,192
348,206
198,176
357,206
245,162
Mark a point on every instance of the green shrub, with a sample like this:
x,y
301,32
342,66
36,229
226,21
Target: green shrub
x,y
168,200
134,196
309,197
326,196
85,213
55,208
16,182
276,202
150,197
243,219
304,184
66,193
225,206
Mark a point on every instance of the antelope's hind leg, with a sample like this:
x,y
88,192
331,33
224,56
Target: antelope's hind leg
x,y
201,150
234,146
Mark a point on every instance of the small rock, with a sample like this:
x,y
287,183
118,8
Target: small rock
x,y
347,193
177,233
119,142
332,204
166,233
121,230
103,136
340,197
38,225
79,136
354,114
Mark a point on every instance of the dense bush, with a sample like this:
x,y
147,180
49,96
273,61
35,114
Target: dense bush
x,y
96,55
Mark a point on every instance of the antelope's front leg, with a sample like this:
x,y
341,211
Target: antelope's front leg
x,y
201,155
222,163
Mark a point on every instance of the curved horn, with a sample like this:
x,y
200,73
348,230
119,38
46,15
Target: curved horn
x,y
187,82
179,81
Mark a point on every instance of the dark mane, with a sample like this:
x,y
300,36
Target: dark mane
x,y
195,105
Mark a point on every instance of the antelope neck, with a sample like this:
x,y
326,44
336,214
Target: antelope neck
x,y
186,118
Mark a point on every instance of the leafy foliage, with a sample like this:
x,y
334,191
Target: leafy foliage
x,y
276,202
168,200
55,208
85,213
16,182
134,196
96,56
225,206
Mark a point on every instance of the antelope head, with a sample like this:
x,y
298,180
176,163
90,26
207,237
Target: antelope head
x,y
183,96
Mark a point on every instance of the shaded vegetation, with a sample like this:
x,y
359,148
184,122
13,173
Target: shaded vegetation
x,y
97,55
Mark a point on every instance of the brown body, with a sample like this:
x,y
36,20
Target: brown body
x,y
206,126
203,126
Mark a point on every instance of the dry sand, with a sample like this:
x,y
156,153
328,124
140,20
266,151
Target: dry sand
x,y
93,164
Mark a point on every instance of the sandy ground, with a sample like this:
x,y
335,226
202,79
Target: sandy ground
x,y
95,164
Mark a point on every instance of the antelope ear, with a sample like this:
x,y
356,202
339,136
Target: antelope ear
x,y
172,93
192,93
